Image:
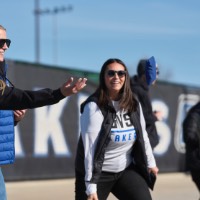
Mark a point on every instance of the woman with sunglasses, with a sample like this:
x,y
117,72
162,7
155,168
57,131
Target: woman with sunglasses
x,y
8,118
12,98
4,45
114,154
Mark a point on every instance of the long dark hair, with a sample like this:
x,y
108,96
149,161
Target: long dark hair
x,y
127,100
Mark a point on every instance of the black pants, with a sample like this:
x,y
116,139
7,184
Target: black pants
x,y
196,178
126,185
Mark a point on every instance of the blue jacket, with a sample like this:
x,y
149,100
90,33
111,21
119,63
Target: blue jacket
x,y
7,148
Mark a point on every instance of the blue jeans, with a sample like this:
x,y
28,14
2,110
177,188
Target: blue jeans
x,y
2,187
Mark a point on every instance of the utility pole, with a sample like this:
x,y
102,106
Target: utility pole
x,y
53,12
37,32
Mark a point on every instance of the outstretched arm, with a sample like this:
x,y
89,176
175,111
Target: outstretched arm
x,y
16,99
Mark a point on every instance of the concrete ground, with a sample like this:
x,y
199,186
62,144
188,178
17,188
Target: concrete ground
x,y
169,186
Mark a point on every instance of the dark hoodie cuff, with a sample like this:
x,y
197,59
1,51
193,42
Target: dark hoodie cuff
x,y
58,95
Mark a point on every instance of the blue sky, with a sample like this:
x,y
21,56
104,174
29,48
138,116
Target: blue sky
x,y
97,30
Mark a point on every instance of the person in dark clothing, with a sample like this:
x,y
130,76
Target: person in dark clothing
x,y
191,136
140,87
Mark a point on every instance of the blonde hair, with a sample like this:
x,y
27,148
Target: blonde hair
x,y
2,28
2,87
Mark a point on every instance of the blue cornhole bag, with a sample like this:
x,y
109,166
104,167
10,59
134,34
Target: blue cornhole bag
x,y
150,70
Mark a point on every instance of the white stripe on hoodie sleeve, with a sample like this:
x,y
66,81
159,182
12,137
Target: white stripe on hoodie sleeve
x,y
91,121
150,157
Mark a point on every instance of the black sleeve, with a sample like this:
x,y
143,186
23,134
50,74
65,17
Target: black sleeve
x,y
191,130
145,102
13,98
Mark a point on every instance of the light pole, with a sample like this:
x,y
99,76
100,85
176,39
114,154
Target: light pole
x,y
39,12
54,13
37,32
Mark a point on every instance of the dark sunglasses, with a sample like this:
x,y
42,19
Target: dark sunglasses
x,y
3,41
112,73
157,71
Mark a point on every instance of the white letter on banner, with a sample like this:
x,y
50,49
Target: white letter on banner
x,y
48,127
162,127
185,102
18,146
